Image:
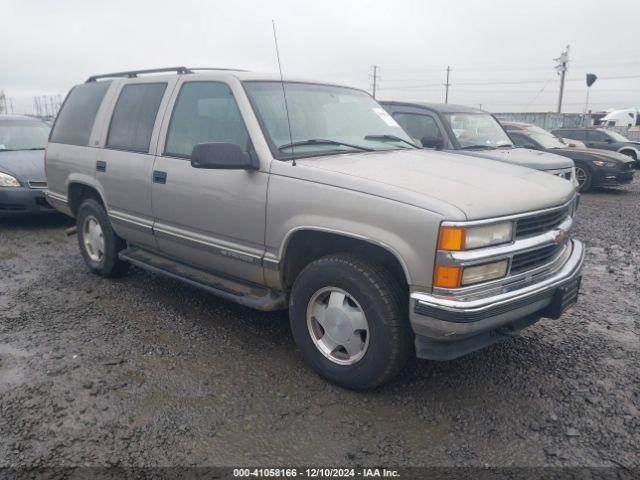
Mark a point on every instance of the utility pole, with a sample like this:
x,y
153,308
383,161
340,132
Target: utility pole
x,y
561,67
375,79
447,85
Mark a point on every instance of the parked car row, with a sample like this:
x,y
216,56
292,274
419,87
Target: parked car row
x,y
594,167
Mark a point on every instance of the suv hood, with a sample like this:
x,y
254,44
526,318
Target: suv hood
x,y
437,181
523,157
25,165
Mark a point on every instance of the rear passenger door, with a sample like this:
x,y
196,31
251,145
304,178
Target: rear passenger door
x,y
125,164
211,219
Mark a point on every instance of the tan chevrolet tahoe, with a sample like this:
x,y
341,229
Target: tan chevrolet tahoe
x,y
309,196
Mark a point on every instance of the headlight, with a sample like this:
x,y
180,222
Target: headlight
x,y
484,273
7,180
449,276
468,238
602,163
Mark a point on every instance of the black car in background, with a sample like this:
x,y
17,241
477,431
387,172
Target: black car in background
x,y
602,138
22,176
594,168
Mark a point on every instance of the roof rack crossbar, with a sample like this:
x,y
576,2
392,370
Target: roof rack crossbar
x,y
135,73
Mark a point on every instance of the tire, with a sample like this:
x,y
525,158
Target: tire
x,y
584,172
102,261
388,342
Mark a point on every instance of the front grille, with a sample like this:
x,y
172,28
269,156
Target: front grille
x,y
533,259
541,223
38,184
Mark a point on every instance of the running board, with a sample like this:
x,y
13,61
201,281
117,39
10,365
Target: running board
x,y
247,294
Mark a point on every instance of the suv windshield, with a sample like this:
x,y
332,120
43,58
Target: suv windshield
x,y
23,135
477,130
324,120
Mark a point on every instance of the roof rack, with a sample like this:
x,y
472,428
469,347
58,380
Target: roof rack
x,y
135,73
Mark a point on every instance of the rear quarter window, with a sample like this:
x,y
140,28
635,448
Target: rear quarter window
x,y
75,121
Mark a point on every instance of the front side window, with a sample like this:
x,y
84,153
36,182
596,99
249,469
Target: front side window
x,y
205,112
324,119
75,121
477,130
134,116
420,127
575,134
597,136
23,135
616,136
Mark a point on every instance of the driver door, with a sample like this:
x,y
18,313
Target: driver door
x,y
211,219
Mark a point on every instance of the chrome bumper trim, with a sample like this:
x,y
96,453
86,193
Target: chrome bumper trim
x,y
568,271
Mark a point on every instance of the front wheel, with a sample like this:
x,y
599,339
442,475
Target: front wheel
x,y
348,318
99,244
584,178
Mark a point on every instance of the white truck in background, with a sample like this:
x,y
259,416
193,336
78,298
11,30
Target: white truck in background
x,y
627,117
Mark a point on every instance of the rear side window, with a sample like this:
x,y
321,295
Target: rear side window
x,y
418,126
575,134
205,112
75,120
134,116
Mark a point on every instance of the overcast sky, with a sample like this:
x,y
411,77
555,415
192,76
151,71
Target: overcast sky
x,y
493,47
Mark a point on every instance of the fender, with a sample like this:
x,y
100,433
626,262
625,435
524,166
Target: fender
x,y
285,244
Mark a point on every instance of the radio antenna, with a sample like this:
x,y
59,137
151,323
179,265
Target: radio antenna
x,y
284,93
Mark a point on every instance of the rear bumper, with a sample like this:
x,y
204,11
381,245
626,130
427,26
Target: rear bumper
x,y
447,328
23,201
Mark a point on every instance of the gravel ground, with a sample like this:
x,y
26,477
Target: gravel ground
x,y
145,371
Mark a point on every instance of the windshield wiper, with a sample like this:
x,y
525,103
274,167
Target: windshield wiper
x,y
477,147
321,141
505,145
390,137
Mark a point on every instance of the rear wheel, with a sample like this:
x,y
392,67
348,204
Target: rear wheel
x,y
99,245
584,178
348,318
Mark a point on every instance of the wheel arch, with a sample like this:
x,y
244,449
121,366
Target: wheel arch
x,y
627,148
77,191
303,245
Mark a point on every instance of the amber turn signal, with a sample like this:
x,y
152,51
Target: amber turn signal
x,y
451,238
446,276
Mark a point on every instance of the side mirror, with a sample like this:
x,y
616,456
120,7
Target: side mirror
x,y
222,156
609,140
432,142
530,146
573,145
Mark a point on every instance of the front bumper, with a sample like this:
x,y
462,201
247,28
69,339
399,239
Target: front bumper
x,y
447,328
612,178
23,201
